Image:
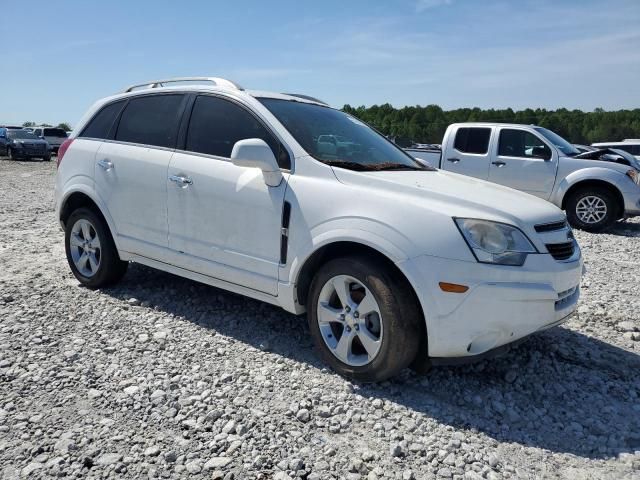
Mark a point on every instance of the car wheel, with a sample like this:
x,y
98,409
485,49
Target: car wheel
x,y
47,157
592,209
364,318
91,252
11,154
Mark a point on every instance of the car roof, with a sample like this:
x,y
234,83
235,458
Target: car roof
x,y
492,124
626,142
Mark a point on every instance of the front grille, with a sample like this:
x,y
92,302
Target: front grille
x,y
550,227
561,251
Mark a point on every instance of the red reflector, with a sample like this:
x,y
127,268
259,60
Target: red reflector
x,y
62,150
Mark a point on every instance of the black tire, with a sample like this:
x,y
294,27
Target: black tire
x,y
10,154
610,201
403,323
110,268
47,157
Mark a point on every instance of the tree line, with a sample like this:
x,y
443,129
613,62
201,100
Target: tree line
x,y
64,126
428,124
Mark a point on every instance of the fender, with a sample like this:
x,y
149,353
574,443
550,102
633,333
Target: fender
x,y
613,177
84,184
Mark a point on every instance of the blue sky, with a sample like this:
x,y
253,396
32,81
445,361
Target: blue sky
x,y
455,53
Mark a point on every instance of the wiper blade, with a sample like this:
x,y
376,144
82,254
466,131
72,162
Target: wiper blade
x,y
360,167
375,167
396,166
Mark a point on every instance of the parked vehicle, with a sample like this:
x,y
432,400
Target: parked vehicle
x,y
20,143
395,263
631,145
54,136
595,190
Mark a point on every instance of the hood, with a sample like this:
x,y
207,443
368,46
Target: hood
x,y
611,155
457,195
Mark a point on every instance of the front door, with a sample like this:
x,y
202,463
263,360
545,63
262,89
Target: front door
x,y
525,162
224,221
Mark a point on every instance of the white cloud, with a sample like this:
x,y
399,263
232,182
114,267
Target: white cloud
x,y
422,5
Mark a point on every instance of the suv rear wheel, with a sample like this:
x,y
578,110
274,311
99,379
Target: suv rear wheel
x,y
363,318
592,209
91,252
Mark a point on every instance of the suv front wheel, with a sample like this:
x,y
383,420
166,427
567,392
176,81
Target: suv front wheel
x,y
364,319
91,252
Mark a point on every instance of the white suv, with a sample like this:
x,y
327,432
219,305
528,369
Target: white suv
x,y
395,263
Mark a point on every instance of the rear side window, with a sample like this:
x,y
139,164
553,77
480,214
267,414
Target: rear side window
x,y
473,140
100,125
151,120
55,132
217,124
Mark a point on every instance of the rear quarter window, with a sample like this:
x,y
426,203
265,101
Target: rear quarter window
x,y
100,125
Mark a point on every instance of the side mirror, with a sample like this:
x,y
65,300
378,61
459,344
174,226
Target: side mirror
x,y
255,153
542,152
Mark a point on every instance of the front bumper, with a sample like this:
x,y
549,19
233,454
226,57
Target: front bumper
x,y
631,203
28,153
503,304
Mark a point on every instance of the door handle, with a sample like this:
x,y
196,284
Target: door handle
x,y
105,164
453,160
181,180
498,163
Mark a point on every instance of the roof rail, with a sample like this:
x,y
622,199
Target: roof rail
x,y
217,81
306,97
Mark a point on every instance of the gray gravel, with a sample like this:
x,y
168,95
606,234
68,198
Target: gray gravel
x,y
162,377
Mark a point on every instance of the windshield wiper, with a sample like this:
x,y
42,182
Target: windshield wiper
x,y
396,166
373,167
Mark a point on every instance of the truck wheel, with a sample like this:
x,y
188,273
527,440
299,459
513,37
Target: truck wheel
x,y
363,318
91,252
592,209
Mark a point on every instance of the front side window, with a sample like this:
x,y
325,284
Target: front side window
x,y
151,120
338,139
472,140
519,143
217,124
100,125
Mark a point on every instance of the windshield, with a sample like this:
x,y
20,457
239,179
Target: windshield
x,y
560,143
22,134
55,132
338,139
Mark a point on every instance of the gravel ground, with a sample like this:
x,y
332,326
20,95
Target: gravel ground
x,y
162,377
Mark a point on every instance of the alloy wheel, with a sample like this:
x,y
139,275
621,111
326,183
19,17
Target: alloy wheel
x,y
591,209
350,321
85,247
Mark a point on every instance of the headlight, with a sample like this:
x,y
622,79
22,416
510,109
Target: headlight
x,y
493,242
17,144
634,175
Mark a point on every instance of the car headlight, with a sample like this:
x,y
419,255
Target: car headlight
x,y
493,242
634,175
17,144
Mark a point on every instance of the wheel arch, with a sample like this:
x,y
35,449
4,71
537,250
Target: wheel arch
x,y
595,183
79,199
337,249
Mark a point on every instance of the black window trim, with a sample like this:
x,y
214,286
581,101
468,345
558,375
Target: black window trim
x,y
184,130
525,130
470,127
115,120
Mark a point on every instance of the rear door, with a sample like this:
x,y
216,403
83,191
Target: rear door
x,y
224,221
523,160
131,171
467,152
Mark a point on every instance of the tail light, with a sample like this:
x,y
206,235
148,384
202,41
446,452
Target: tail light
x,y
63,149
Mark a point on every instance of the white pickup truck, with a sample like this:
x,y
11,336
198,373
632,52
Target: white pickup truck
x,y
594,191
